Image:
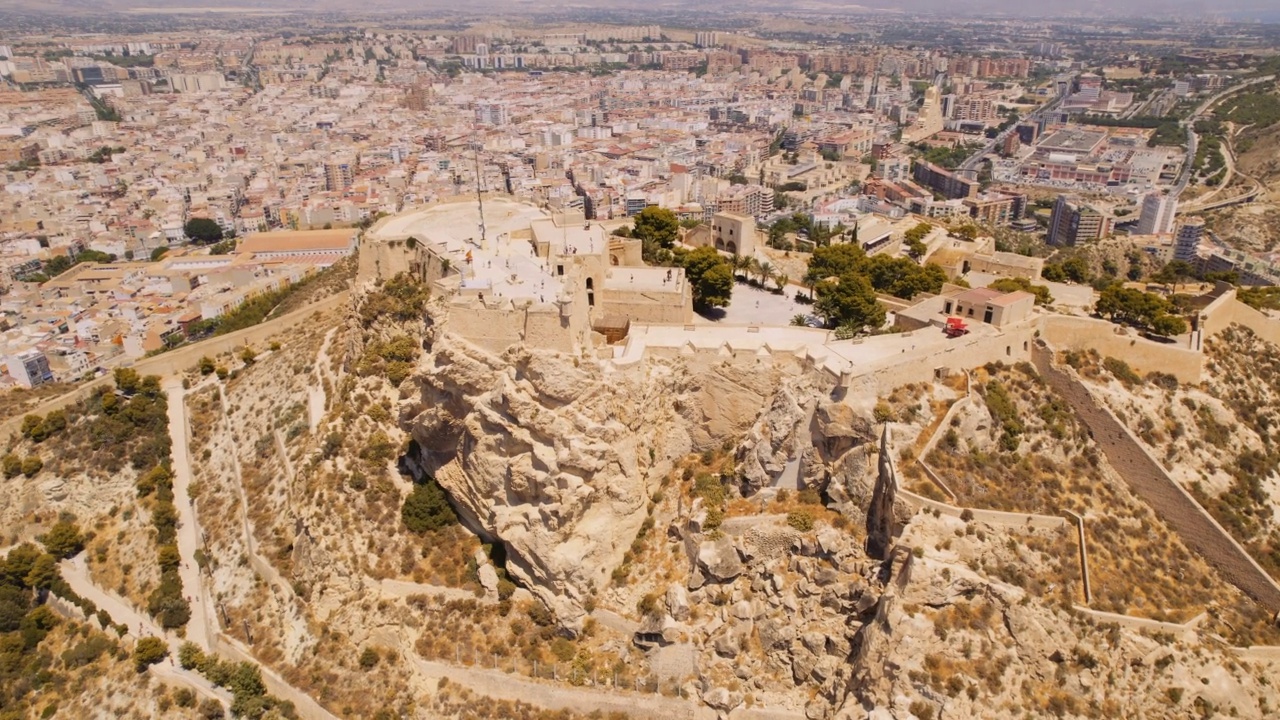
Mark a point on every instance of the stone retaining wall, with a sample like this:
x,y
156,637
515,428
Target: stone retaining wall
x,y
1152,484
995,518
1111,340
1147,624
1226,309
185,357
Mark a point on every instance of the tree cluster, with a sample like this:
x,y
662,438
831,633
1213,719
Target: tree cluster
x,y
846,281
915,240
166,603
803,225
1014,284
658,229
55,266
1143,310
393,357
249,698
1075,268
427,509
27,576
104,154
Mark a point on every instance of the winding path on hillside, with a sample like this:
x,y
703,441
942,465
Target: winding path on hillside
x,y
188,539
500,685
76,574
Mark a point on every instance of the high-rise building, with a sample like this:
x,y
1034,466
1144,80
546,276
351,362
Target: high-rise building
x,y
1073,221
197,82
491,114
339,175
1190,231
1157,214
1027,133
29,368
949,184
705,39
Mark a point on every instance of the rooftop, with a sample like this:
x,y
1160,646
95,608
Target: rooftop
x,y
335,240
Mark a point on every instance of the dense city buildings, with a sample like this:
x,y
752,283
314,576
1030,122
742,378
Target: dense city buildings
x,y
111,147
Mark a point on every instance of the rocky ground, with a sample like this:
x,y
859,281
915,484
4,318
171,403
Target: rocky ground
x,y
1217,439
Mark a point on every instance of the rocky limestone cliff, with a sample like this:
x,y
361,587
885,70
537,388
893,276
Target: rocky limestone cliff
x,y
556,456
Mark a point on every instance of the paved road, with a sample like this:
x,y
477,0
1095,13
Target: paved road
x,y
1192,139
188,536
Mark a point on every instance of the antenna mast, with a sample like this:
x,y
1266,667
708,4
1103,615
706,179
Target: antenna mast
x,y
475,151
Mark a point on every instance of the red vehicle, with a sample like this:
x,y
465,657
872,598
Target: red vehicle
x,y
955,327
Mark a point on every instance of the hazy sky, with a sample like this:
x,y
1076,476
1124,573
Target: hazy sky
x,y
1267,10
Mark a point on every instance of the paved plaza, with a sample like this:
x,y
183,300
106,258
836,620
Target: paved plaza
x,y
753,306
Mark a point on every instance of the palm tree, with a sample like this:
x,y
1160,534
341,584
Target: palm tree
x,y
766,272
740,263
781,280
752,268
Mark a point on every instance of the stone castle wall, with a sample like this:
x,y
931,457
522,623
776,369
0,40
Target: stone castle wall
x,y
1226,309
1152,484
1111,340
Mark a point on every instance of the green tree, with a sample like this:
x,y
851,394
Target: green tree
x,y
658,225
202,231
158,253
127,380
967,231
710,276
17,565
228,247
1144,310
211,709
148,652
206,365
31,465
1173,273
36,625
166,603
1077,270
1014,284
427,508
190,656
15,602
30,425
63,539
12,466
834,261
1168,325
43,573
849,300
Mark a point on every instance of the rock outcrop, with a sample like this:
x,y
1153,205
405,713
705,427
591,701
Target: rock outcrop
x,y
556,456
